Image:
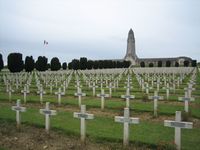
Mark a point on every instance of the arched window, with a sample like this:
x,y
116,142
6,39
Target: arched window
x,y
176,64
159,63
142,64
150,64
168,63
186,63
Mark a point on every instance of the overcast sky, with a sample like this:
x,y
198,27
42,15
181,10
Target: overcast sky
x,y
97,29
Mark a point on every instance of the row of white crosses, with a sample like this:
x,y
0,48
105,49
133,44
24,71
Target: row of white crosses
x,y
126,120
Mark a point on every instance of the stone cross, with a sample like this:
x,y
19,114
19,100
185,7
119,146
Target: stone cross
x,y
158,84
127,97
189,89
103,96
110,89
83,115
25,92
155,100
18,109
41,92
10,90
94,88
147,88
178,124
50,87
79,94
167,88
186,99
47,112
59,93
126,120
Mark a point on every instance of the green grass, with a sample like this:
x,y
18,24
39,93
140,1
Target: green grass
x,y
104,128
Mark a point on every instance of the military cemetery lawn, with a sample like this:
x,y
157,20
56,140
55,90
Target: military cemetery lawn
x,y
177,87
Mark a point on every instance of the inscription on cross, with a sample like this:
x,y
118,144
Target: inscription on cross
x,y
155,101
127,97
18,109
126,120
41,92
103,96
47,112
79,94
186,100
25,92
178,124
83,116
10,91
59,93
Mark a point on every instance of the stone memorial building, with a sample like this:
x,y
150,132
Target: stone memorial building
x,y
150,62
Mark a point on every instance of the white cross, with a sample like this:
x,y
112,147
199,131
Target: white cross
x,y
155,100
18,109
59,93
186,99
189,89
178,124
10,90
127,97
79,94
147,88
103,96
110,89
83,115
47,112
94,88
167,90
126,120
41,92
25,91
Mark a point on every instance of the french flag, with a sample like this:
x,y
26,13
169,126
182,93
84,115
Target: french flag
x,y
45,42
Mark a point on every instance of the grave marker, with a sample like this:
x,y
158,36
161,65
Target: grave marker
x,y
103,96
155,100
47,112
18,109
178,124
79,94
83,116
126,120
59,93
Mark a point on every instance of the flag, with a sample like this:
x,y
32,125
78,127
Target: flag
x,y
45,42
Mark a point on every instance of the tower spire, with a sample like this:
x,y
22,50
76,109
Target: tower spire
x,y
130,52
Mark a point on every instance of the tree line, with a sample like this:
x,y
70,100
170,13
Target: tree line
x,y
15,63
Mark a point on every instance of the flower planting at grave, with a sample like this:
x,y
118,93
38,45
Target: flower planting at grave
x,y
102,131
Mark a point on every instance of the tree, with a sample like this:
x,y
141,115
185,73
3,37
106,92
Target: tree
x,y
64,66
90,64
70,65
41,63
75,64
29,64
83,63
15,62
126,64
55,64
96,64
1,62
159,63
194,63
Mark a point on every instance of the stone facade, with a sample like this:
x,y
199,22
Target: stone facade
x,y
151,62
